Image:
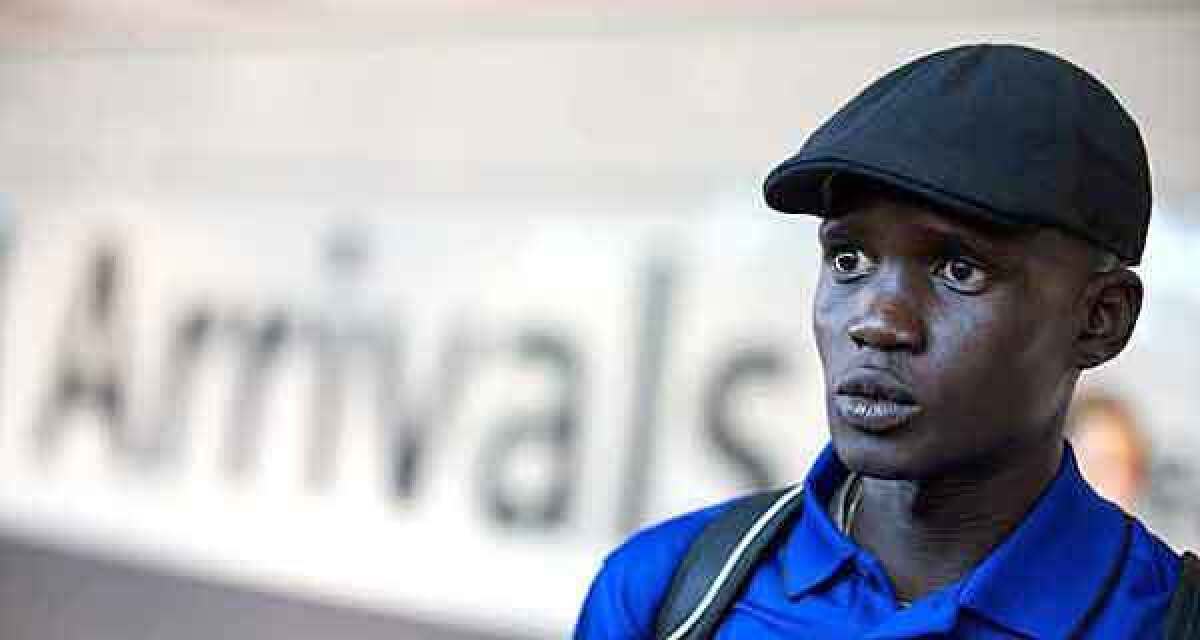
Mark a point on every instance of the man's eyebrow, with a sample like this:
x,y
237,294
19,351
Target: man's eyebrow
x,y
948,240
965,242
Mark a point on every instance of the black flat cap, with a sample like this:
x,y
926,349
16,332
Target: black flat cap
x,y
1002,132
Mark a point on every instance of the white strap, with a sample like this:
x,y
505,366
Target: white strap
x,y
732,561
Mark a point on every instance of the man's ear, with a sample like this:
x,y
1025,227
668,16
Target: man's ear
x,y
1112,302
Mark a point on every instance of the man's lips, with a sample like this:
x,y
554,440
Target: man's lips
x,y
875,401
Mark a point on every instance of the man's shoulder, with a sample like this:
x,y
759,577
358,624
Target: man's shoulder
x,y
670,537
1136,606
1151,561
635,576
647,559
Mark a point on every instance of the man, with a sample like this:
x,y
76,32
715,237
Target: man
x,y
981,207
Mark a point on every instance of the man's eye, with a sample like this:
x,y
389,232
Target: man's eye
x,y
963,276
850,262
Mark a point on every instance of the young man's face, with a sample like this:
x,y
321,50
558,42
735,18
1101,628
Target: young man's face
x,y
945,343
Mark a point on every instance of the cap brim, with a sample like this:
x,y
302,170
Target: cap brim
x,y
798,186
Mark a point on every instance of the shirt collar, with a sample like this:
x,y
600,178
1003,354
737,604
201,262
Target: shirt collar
x,y
815,550
1041,580
1045,577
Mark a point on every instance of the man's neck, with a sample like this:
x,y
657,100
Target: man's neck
x,y
930,533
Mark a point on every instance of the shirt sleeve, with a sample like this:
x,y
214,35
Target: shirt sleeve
x,y
626,594
604,616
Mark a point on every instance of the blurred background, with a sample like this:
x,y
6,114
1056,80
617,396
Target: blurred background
x,y
389,319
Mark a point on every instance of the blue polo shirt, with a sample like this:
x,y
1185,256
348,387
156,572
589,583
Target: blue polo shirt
x,y
1040,582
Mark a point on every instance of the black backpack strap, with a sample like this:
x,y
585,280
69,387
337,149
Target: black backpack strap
x,y
719,561
1183,618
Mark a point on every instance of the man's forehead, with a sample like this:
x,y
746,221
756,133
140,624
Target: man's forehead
x,y
933,227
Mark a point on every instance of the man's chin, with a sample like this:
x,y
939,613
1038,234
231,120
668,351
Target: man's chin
x,y
878,458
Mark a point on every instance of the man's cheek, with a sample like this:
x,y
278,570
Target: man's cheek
x,y
824,328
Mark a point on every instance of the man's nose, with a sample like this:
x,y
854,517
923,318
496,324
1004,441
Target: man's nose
x,y
891,320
